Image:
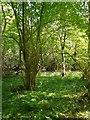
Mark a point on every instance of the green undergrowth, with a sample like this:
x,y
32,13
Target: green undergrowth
x,y
55,98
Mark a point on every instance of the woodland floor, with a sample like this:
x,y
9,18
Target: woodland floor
x,y
55,98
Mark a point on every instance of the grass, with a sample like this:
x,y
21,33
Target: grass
x,y
55,98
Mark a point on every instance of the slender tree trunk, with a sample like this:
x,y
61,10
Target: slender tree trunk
x,y
0,68
63,55
74,55
89,46
63,64
26,53
3,50
3,30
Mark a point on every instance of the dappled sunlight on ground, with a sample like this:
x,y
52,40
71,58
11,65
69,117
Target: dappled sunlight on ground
x,y
55,97
49,74
68,74
84,114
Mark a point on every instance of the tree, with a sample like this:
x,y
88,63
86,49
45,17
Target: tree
x,y
37,27
28,43
88,47
29,29
62,40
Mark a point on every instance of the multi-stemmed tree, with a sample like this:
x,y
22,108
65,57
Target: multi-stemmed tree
x,y
46,29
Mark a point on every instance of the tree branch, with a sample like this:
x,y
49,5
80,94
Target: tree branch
x,y
39,26
17,23
4,20
13,39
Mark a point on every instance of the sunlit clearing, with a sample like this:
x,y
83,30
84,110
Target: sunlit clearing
x,y
85,114
43,102
49,73
51,94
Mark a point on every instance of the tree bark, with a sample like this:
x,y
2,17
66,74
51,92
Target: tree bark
x,y
62,54
3,30
74,56
30,56
88,47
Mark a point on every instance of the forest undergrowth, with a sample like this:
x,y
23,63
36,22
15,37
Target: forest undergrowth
x,y
55,98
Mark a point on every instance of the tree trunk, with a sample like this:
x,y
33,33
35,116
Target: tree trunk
x,y
30,56
62,54
31,69
63,64
74,56
88,47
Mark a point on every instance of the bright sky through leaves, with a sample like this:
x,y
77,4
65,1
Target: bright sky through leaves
x,y
45,0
